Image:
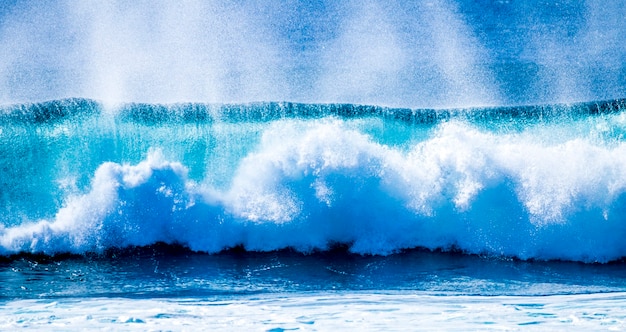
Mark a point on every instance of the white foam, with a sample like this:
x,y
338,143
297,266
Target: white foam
x,y
324,311
310,184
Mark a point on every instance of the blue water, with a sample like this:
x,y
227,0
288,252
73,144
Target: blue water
x,y
324,165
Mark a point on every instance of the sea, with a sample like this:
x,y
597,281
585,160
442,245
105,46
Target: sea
x,y
431,165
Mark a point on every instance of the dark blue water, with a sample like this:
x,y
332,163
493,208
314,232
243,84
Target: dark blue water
x,y
162,272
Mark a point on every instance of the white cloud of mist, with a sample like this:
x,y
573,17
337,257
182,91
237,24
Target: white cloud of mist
x,y
152,51
172,52
365,62
457,53
429,53
432,58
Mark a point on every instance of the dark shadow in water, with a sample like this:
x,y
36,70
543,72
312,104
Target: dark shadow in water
x,y
173,271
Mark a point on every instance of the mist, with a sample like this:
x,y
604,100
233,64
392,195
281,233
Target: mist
x,y
439,53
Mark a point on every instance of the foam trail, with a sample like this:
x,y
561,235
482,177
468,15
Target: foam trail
x,y
310,184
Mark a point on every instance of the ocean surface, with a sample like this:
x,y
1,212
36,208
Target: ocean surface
x,y
321,165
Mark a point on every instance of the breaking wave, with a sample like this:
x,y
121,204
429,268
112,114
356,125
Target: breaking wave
x,y
534,182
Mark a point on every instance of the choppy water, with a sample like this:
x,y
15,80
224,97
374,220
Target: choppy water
x,y
172,289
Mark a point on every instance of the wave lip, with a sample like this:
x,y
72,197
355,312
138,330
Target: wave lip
x,y
268,111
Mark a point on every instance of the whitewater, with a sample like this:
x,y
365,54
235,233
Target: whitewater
x,y
537,183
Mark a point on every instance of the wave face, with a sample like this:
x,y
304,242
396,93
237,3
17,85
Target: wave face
x,y
536,182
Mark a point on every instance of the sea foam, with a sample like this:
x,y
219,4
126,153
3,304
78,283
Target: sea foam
x,y
543,192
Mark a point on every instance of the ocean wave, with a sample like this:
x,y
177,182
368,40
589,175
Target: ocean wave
x,y
553,191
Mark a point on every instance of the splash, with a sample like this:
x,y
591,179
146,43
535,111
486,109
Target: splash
x,y
533,184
